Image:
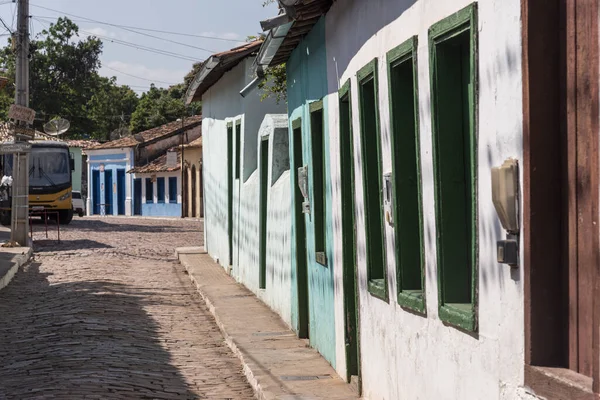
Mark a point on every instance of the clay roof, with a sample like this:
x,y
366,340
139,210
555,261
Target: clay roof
x,y
159,164
84,144
151,135
308,13
216,66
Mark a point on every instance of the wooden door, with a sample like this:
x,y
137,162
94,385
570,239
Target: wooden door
x,y
560,214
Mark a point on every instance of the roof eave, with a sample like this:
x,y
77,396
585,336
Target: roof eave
x,y
272,43
211,63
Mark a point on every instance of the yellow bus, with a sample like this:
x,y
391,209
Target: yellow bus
x,y
50,185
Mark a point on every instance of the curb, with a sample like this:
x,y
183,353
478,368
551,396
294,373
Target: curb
x,y
252,380
19,260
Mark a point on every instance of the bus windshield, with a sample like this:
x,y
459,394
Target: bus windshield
x,y
47,167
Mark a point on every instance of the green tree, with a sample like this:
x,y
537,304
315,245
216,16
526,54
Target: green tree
x,y
64,81
111,107
157,107
64,75
160,106
275,84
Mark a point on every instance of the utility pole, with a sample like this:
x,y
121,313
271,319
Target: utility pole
x,y
20,188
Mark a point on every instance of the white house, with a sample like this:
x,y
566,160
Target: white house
x,y
240,168
399,111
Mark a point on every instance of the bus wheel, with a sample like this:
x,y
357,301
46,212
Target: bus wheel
x,y
5,218
65,217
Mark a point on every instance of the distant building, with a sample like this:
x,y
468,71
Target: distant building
x,y
112,190
192,179
157,186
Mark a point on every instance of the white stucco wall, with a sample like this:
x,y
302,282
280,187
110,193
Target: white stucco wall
x,y
404,355
222,104
277,293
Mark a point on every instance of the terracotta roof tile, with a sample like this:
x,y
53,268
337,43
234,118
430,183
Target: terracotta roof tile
x,y
150,135
84,144
158,165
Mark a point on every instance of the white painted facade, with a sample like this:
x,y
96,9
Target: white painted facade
x,y
404,355
222,105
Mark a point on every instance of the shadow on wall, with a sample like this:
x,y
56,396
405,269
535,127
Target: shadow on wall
x,y
78,338
248,230
497,72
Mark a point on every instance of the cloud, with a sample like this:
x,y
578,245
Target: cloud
x,y
140,76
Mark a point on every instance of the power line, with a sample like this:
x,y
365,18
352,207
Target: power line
x,y
6,26
125,73
138,77
134,45
126,29
84,19
148,35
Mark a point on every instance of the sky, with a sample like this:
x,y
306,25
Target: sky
x,y
224,24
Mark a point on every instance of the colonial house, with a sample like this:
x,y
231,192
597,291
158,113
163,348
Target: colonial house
x,y
244,163
444,157
192,179
157,186
111,188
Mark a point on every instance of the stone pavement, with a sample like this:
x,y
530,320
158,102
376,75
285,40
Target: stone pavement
x,y
109,314
277,364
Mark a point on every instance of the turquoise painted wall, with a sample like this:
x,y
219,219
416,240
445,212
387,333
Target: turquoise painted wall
x,y
307,82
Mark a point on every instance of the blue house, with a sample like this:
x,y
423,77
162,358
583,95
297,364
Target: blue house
x,y
112,191
158,186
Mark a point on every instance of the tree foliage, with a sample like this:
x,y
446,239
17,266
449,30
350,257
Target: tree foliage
x,y
157,107
110,107
275,84
64,82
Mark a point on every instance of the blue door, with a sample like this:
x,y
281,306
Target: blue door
x,y
121,191
108,191
137,196
96,192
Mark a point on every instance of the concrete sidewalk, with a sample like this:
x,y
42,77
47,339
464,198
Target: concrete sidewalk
x,y
11,258
277,364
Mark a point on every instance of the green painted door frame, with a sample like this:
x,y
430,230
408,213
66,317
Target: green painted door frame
x,y
230,192
350,273
301,261
264,185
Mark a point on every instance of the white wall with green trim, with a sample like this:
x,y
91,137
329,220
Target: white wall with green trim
x,y
405,354
222,106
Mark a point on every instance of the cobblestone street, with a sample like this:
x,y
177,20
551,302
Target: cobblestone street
x,y
109,314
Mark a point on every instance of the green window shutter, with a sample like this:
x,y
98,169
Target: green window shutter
x,y
407,207
453,58
372,179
